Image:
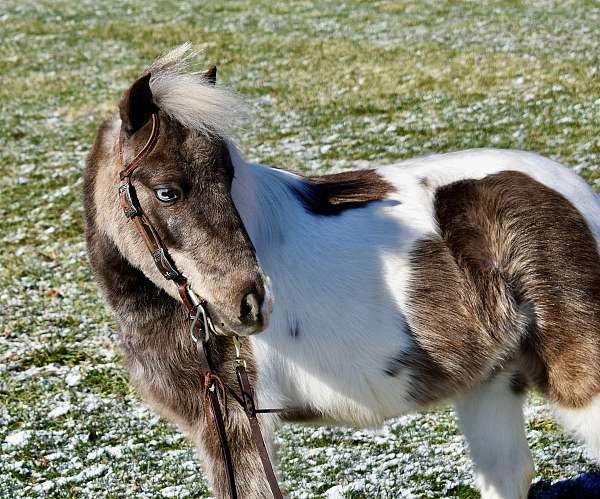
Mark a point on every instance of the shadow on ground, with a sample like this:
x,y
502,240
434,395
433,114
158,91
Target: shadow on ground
x,y
585,486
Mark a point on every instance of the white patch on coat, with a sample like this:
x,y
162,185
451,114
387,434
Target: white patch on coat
x,y
491,418
585,423
342,279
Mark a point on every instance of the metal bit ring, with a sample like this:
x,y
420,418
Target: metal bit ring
x,y
200,315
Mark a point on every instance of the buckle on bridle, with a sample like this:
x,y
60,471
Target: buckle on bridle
x,y
239,360
126,198
164,265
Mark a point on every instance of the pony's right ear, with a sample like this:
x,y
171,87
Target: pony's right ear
x,y
137,106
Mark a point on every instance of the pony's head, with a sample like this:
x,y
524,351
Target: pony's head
x,y
184,188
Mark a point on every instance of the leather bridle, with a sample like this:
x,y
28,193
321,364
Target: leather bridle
x,y
215,391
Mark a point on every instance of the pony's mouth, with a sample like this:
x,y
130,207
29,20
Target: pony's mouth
x,y
226,327
229,319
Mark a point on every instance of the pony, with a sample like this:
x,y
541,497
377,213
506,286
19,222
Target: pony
x,y
469,277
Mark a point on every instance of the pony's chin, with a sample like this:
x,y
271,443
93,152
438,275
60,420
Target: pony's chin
x,y
243,331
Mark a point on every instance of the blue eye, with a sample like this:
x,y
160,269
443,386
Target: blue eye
x,y
167,194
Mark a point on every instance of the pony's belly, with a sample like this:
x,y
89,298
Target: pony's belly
x,y
376,400
338,365
355,396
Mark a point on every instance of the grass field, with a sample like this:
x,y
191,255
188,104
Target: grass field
x,y
332,85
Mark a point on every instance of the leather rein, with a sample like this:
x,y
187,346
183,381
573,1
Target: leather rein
x,y
215,391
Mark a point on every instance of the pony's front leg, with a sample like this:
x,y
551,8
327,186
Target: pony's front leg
x,y
249,474
491,418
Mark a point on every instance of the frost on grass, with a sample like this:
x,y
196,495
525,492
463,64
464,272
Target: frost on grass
x,y
413,456
359,84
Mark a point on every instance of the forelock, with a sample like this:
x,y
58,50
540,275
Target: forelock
x,y
187,96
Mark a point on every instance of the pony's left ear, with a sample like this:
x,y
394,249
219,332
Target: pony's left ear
x,y
211,75
137,106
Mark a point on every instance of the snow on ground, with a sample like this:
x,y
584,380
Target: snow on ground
x,y
332,86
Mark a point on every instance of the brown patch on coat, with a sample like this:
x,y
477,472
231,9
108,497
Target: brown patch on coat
x,y
306,415
333,194
514,277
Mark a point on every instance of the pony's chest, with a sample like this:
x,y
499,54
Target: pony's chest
x,y
167,374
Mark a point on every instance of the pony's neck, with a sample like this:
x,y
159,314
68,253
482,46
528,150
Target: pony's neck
x,y
267,202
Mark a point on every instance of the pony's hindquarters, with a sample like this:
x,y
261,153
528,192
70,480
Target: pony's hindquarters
x,y
512,276
511,284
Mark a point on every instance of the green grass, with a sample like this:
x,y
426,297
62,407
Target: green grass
x,y
331,85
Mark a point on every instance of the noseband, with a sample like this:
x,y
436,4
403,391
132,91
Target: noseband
x,y
201,326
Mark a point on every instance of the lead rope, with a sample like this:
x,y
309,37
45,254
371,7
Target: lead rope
x,y
212,382
250,410
213,386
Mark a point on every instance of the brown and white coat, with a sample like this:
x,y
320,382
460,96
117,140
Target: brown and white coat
x,y
464,277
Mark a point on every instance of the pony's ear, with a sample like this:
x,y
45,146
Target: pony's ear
x,y
211,75
136,106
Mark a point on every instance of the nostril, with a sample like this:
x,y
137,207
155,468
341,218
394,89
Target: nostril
x,y
250,309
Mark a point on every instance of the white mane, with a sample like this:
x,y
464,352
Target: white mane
x,y
188,97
